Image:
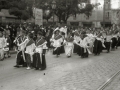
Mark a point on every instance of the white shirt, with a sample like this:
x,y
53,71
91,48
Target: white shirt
x,y
30,48
57,43
2,42
39,49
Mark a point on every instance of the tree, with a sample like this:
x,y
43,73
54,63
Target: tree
x,y
25,15
66,8
20,8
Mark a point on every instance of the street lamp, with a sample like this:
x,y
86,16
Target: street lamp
x,y
81,6
95,6
53,7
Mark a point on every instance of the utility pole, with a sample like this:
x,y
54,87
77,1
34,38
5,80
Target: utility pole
x,y
104,14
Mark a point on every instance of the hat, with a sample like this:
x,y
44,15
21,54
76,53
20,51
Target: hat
x,y
30,35
40,33
57,29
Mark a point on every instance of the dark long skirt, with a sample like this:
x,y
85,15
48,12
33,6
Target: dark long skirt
x,y
107,46
48,43
114,42
79,50
57,51
118,42
37,61
28,60
62,49
97,49
43,62
84,54
20,60
76,48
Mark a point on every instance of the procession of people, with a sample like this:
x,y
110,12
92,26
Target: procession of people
x,y
32,43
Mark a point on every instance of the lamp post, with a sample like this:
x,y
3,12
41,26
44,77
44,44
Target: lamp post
x,y
96,12
47,12
53,7
104,13
81,6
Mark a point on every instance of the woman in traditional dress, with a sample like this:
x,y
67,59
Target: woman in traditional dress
x,y
108,41
69,45
57,43
84,43
97,49
39,61
29,51
21,43
114,40
77,40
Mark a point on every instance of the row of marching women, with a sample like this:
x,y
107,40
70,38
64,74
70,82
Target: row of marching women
x,y
31,53
84,41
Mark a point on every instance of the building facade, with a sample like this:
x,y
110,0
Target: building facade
x,y
101,15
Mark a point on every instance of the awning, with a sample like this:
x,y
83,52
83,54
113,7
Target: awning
x,y
86,22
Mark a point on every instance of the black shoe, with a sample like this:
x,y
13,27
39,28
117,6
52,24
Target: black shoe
x,y
95,54
42,68
57,56
2,59
86,56
82,56
9,56
68,56
36,68
17,66
108,51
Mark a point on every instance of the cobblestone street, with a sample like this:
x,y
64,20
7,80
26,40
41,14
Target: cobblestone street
x,y
114,84
62,73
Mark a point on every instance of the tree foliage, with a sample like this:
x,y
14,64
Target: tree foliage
x,y
20,8
66,8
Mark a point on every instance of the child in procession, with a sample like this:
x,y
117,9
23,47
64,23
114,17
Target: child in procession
x,y
39,61
30,46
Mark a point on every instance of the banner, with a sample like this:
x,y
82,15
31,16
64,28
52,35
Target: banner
x,y
115,17
38,16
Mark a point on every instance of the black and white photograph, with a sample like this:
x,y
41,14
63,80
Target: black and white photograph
x,y
59,44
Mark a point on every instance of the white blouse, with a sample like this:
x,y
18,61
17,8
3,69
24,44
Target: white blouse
x,y
30,49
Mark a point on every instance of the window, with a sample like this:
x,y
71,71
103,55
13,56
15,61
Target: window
x,y
107,15
107,4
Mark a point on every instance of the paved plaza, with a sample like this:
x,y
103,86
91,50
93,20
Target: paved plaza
x,y
63,73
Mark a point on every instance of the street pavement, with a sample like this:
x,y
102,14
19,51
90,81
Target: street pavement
x,y
114,85
62,73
